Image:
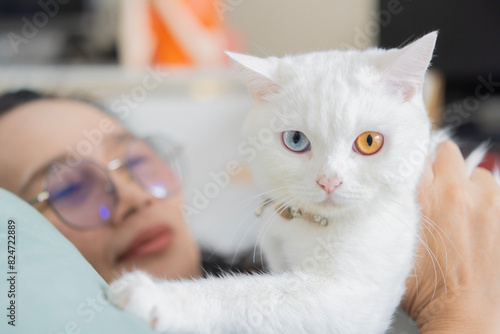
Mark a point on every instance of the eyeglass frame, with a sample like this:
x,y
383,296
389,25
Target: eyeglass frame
x,y
113,165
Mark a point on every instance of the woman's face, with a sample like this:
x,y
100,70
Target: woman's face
x,y
144,232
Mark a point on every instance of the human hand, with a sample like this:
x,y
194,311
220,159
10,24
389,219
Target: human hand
x,y
458,289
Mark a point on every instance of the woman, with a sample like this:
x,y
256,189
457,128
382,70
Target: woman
x,y
143,227
45,130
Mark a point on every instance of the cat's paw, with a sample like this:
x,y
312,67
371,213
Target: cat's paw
x,y
138,294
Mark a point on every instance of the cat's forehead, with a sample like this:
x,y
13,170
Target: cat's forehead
x,y
335,64
329,90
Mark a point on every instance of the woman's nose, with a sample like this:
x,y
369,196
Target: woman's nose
x,y
131,197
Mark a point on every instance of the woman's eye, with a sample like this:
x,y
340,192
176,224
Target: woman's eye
x,y
368,143
68,191
132,162
296,141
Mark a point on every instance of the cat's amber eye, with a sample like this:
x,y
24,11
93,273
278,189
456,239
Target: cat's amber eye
x,y
368,143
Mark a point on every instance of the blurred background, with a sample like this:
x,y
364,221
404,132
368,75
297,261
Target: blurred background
x,y
108,49
88,46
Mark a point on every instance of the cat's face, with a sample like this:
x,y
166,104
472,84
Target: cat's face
x,y
337,127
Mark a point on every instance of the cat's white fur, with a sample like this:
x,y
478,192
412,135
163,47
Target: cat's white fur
x,y
349,276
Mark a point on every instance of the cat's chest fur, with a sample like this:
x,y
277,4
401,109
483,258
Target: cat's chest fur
x,y
376,246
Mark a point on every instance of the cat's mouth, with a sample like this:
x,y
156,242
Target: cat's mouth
x,y
328,209
330,203
325,206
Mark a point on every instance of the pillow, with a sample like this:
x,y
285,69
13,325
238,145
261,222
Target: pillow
x,y
46,286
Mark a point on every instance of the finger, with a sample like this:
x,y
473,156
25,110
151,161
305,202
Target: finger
x,y
449,162
484,179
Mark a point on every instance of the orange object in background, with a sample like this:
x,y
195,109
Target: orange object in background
x,y
168,50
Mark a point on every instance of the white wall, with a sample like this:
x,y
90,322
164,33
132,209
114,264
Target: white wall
x,y
290,26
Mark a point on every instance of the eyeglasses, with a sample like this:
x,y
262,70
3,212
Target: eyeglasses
x,y
84,196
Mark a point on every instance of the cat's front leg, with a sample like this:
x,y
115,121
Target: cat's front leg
x,y
170,306
212,305
137,293
285,303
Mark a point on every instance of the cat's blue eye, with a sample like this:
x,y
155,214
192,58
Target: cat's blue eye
x,y
296,141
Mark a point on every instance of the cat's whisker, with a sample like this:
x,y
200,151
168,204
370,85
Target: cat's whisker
x,y
427,220
265,193
415,265
248,228
433,257
274,193
436,261
270,193
270,209
424,222
430,221
252,210
274,214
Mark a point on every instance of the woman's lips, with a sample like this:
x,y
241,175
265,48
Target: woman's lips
x,y
148,242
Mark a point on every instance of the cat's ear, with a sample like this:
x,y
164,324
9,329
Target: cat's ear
x,y
405,70
257,72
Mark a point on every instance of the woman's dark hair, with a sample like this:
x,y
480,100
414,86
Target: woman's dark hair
x,y
10,100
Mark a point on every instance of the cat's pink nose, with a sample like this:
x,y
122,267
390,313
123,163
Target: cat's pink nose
x,y
329,184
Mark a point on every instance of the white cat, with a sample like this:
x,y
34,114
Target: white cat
x,y
346,139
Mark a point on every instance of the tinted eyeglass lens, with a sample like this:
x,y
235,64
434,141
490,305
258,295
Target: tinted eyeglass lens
x,y
154,172
83,195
